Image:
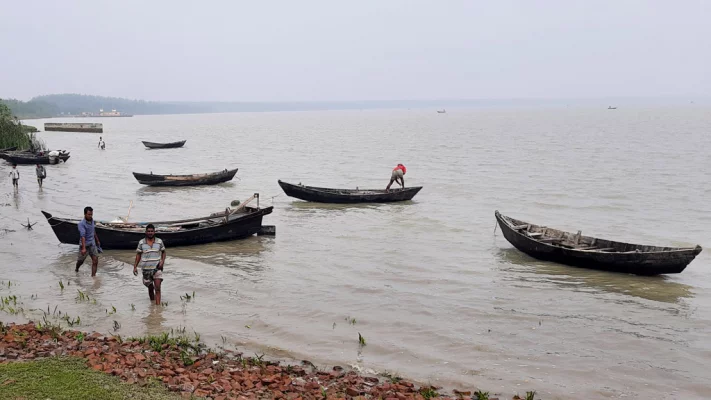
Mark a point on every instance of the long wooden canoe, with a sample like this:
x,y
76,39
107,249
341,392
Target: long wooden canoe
x,y
172,145
550,244
185,180
348,196
213,228
26,158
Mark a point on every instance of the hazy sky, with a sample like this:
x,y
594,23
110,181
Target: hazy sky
x,y
355,50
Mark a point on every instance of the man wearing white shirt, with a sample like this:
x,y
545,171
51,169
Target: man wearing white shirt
x,y
15,174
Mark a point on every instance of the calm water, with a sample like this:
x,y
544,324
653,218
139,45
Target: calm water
x,y
437,294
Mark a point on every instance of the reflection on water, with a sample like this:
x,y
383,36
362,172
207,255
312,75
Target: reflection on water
x,y
16,198
154,321
304,208
521,266
243,254
148,191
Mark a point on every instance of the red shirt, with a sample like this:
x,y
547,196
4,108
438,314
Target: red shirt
x,y
402,167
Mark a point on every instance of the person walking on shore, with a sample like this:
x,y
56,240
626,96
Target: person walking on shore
x,y
15,174
398,175
41,174
89,244
150,255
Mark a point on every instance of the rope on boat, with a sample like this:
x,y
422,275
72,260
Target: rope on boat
x,y
495,225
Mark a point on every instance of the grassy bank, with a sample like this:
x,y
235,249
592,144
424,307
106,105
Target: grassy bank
x,y
44,361
69,378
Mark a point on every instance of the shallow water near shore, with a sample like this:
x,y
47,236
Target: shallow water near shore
x,y
437,292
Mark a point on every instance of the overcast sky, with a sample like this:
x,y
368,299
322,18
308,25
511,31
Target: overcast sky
x,y
355,50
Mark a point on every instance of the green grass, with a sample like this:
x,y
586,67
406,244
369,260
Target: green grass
x,y
428,393
70,379
479,395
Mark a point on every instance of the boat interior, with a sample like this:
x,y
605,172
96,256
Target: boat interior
x,y
213,219
576,241
357,190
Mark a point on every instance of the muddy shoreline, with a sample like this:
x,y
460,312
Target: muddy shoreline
x,y
185,365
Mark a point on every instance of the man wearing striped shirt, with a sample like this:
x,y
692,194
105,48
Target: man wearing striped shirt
x,y
150,255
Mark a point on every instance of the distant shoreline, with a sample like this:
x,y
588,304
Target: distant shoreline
x,y
59,105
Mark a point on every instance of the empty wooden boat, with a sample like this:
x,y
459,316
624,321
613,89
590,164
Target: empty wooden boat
x,y
172,145
348,196
185,180
235,224
550,244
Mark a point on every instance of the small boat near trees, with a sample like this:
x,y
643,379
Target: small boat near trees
x,y
550,244
348,196
185,180
238,223
172,145
8,149
28,158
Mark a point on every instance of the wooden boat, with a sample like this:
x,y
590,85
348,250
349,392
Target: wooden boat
x,y
8,149
348,196
217,227
27,158
152,145
186,180
550,244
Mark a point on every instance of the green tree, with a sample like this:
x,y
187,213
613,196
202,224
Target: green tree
x,y
14,134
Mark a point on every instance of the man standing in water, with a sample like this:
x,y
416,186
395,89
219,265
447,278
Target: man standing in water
x,y
89,243
398,176
15,174
150,254
102,144
41,174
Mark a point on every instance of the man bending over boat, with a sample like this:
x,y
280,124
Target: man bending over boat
x,y
150,254
398,176
89,244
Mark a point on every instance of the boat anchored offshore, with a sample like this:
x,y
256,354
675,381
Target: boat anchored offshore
x,y
550,244
185,180
171,145
344,196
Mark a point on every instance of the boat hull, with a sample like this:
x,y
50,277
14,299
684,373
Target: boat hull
x,y
347,196
185,180
67,232
32,160
662,261
173,145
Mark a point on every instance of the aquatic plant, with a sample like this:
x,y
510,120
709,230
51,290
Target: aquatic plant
x,y
361,339
429,393
479,395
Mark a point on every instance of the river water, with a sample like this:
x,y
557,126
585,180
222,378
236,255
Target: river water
x,y
439,296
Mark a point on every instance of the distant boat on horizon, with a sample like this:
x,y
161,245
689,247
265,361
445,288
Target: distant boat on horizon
x,y
611,108
442,111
